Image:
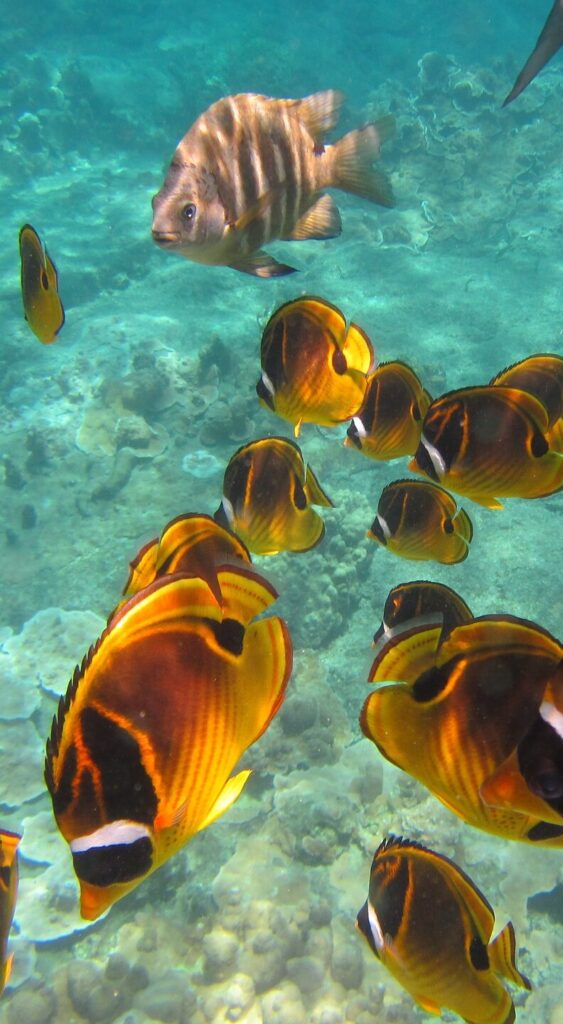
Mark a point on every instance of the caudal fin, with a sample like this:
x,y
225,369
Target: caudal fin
x,y
353,159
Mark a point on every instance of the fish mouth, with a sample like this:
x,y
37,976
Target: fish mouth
x,y
166,239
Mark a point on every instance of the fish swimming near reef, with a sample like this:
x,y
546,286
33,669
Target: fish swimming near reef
x,y
267,497
9,842
490,442
431,927
42,305
541,376
315,365
421,523
253,169
156,719
389,422
192,544
549,42
466,713
420,600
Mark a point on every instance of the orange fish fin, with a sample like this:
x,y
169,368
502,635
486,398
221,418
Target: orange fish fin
x,y
319,112
353,156
230,792
260,264
321,220
297,428
6,971
245,594
486,500
502,957
314,491
428,1005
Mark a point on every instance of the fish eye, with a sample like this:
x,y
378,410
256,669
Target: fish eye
x,y
549,785
189,211
448,526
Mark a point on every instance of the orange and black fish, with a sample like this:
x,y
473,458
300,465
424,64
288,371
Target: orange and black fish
x,y
487,441
155,720
9,842
541,376
253,169
421,521
549,42
267,498
421,600
389,423
191,544
42,306
431,927
460,706
315,366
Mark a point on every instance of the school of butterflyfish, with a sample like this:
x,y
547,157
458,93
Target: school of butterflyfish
x,y
193,664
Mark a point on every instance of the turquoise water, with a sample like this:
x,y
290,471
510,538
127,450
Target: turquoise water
x,y
253,921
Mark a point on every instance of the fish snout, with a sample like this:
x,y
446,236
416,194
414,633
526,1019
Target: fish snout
x,y
166,239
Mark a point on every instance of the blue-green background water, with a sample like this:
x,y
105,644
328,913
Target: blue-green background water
x,y
463,277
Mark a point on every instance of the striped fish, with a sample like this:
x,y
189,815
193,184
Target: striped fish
x,y
252,169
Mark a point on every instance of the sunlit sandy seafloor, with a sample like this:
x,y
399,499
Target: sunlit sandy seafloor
x,y
130,418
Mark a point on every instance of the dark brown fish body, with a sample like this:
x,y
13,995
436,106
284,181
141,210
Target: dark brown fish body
x,y
549,42
252,169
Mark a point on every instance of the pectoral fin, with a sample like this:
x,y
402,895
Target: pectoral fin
x,y
260,264
321,220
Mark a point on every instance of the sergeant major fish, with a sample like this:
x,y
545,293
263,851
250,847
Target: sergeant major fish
x,y
252,169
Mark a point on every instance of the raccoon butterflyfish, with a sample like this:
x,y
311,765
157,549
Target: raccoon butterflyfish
x,y
191,544
531,779
548,43
389,422
315,366
431,927
253,169
541,376
267,498
454,709
420,600
42,306
9,842
155,720
487,441
422,522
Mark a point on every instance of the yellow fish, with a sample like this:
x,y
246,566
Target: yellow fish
x,y
253,169
389,422
9,842
267,497
421,521
431,927
451,711
315,366
43,308
155,720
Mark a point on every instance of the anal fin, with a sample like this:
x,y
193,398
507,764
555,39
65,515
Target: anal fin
x,y
321,220
230,792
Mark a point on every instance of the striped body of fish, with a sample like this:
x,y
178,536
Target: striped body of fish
x,y
252,169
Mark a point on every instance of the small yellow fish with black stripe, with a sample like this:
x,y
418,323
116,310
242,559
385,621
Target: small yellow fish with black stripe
x,y
42,304
431,927
268,492
9,842
389,422
421,521
253,169
315,365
